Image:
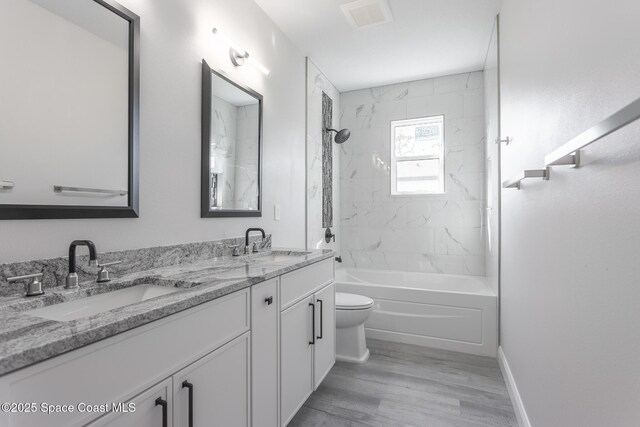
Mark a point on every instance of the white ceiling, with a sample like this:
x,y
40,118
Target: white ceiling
x,y
427,38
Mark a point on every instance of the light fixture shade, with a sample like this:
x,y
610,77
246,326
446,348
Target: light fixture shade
x,y
260,67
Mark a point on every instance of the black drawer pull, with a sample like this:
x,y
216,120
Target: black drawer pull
x,y
269,300
187,384
321,321
161,402
313,323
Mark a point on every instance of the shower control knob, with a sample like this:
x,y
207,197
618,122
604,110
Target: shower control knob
x,y
329,236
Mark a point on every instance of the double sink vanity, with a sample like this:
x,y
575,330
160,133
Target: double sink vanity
x,y
225,340
196,334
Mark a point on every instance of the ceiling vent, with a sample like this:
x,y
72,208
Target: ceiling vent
x,y
367,13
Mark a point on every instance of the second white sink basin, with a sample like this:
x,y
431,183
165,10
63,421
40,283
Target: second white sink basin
x,y
89,306
279,257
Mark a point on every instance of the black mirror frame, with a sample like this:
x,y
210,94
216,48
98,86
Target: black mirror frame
x,y
12,211
205,211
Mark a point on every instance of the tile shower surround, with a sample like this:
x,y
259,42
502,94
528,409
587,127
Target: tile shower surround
x,y
317,85
428,233
327,162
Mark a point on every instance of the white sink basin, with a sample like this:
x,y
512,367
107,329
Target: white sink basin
x,y
89,306
280,257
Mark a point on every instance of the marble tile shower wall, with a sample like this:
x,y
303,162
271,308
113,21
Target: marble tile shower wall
x,y
429,233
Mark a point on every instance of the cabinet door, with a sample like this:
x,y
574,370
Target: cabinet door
x,y
265,314
150,408
214,391
296,357
325,347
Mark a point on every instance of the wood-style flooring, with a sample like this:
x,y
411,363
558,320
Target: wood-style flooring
x,y
407,385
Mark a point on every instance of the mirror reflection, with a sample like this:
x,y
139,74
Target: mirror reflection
x,y
232,148
68,116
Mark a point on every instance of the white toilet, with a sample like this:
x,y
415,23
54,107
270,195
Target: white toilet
x,y
351,312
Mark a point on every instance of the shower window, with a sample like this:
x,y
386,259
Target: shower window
x,y
417,156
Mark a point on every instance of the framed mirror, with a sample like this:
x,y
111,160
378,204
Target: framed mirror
x,y
69,109
231,147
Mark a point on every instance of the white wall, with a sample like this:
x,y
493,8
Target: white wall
x,y
429,233
317,83
570,246
175,36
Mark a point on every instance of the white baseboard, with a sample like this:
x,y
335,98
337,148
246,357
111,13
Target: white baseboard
x,y
516,400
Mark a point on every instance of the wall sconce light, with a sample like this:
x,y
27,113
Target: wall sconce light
x,y
237,54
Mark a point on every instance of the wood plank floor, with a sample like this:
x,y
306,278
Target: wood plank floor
x,y
406,385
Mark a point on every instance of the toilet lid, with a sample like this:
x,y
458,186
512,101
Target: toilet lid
x,y
352,301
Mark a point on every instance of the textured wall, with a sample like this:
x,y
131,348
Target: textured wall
x,y
175,37
569,286
430,233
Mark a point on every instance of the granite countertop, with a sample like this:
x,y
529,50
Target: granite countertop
x,y
26,339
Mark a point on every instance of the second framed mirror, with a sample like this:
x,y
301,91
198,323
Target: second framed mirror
x,y
231,147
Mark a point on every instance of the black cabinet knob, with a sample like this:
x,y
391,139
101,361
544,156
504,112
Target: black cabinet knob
x,y
269,300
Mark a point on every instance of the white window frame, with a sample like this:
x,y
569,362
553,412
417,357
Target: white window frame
x,y
395,159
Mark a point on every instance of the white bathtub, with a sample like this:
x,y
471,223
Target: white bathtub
x,y
436,310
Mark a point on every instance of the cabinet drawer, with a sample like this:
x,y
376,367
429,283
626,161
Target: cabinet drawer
x,y
303,282
220,385
122,366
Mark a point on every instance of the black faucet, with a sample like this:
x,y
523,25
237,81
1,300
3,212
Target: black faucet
x,y
72,277
246,237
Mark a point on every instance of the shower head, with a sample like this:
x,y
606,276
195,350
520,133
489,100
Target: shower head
x,y
341,135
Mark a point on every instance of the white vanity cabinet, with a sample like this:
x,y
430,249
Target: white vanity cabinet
x,y
296,362
248,359
122,367
214,391
307,323
265,374
325,342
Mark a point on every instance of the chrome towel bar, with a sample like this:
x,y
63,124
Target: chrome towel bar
x,y
569,153
530,173
61,188
619,119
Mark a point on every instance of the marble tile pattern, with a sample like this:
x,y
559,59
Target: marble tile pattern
x,y
234,146
247,159
224,117
327,163
28,339
428,233
133,260
317,84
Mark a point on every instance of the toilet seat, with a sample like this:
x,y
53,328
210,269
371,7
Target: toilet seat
x,y
346,301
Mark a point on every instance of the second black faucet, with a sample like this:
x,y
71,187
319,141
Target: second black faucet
x,y
246,237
